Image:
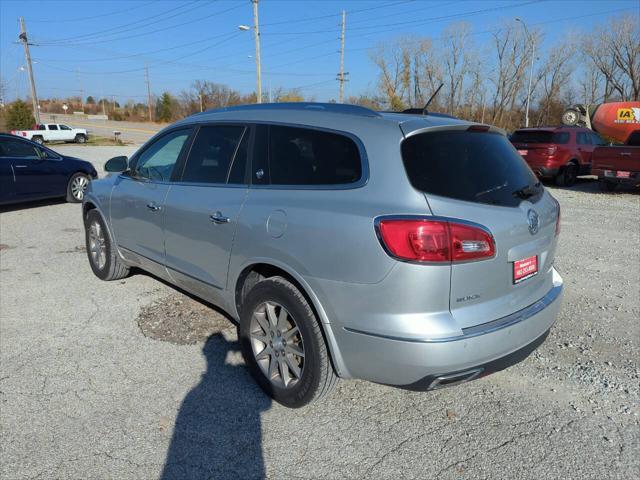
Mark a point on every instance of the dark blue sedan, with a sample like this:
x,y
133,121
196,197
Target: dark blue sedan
x,y
29,171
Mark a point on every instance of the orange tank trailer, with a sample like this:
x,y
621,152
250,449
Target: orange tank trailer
x,y
616,120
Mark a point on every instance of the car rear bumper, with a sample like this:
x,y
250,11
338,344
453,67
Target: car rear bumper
x,y
611,176
417,363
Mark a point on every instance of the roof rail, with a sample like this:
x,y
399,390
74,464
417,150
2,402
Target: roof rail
x,y
342,108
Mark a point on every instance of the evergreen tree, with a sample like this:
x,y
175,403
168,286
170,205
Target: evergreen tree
x,y
19,116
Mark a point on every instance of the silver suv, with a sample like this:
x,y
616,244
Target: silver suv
x,y
409,250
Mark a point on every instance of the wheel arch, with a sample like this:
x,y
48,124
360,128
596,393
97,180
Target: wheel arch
x,y
89,205
259,269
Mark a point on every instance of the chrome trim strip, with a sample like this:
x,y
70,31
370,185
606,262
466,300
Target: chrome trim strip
x,y
484,328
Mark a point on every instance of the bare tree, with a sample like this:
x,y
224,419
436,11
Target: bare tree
x,y
456,55
554,74
615,51
512,54
391,61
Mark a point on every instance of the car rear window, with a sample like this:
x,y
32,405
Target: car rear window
x,y
480,167
539,136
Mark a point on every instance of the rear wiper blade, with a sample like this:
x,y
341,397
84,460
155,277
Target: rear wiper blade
x,y
527,191
493,189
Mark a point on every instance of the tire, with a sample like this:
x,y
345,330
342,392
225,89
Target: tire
x,y
571,116
38,139
77,186
567,176
315,376
606,186
80,138
103,259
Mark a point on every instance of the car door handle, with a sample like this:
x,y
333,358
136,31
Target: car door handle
x,y
219,218
625,154
20,166
153,207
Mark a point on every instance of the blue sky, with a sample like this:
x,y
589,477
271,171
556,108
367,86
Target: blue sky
x,y
103,46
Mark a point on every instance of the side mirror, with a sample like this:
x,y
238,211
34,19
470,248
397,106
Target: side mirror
x,y
117,164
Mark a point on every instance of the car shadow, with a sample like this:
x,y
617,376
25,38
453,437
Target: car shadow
x,y
217,432
14,207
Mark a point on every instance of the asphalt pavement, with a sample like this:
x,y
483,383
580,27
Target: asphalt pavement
x,y
86,391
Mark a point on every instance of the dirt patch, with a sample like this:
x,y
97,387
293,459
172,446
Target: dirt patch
x,y
181,320
71,230
4,246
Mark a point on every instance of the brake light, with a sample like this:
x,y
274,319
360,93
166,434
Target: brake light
x,y
441,241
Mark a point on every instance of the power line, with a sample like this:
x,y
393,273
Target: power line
x,y
163,29
100,33
70,20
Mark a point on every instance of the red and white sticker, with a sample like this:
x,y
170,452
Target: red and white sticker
x,y
525,268
523,152
622,174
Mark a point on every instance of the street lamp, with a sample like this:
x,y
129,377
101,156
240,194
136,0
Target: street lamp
x,y
256,34
533,56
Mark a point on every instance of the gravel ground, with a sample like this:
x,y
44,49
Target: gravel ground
x,y
116,380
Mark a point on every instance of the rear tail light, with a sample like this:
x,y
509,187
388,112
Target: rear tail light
x,y
441,241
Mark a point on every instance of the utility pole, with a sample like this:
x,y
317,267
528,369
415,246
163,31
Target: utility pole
x,y
146,76
81,90
201,107
341,75
256,32
34,96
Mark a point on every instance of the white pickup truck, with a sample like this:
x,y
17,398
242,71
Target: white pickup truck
x,y
53,132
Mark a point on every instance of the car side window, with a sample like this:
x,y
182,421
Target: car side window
x,y
582,138
158,160
53,127
239,166
213,153
561,138
302,156
597,139
18,149
64,127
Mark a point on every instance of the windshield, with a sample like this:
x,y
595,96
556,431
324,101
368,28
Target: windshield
x,y
480,167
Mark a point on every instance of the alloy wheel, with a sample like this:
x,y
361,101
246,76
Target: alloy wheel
x,y
78,187
97,246
277,344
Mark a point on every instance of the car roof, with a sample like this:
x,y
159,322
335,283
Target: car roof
x,y
312,113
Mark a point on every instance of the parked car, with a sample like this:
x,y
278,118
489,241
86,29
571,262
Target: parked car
x,y
54,132
29,171
618,164
561,153
408,250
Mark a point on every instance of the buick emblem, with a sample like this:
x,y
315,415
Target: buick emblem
x,y
533,221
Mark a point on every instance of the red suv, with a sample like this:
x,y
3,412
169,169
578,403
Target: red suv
x,y
561,153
